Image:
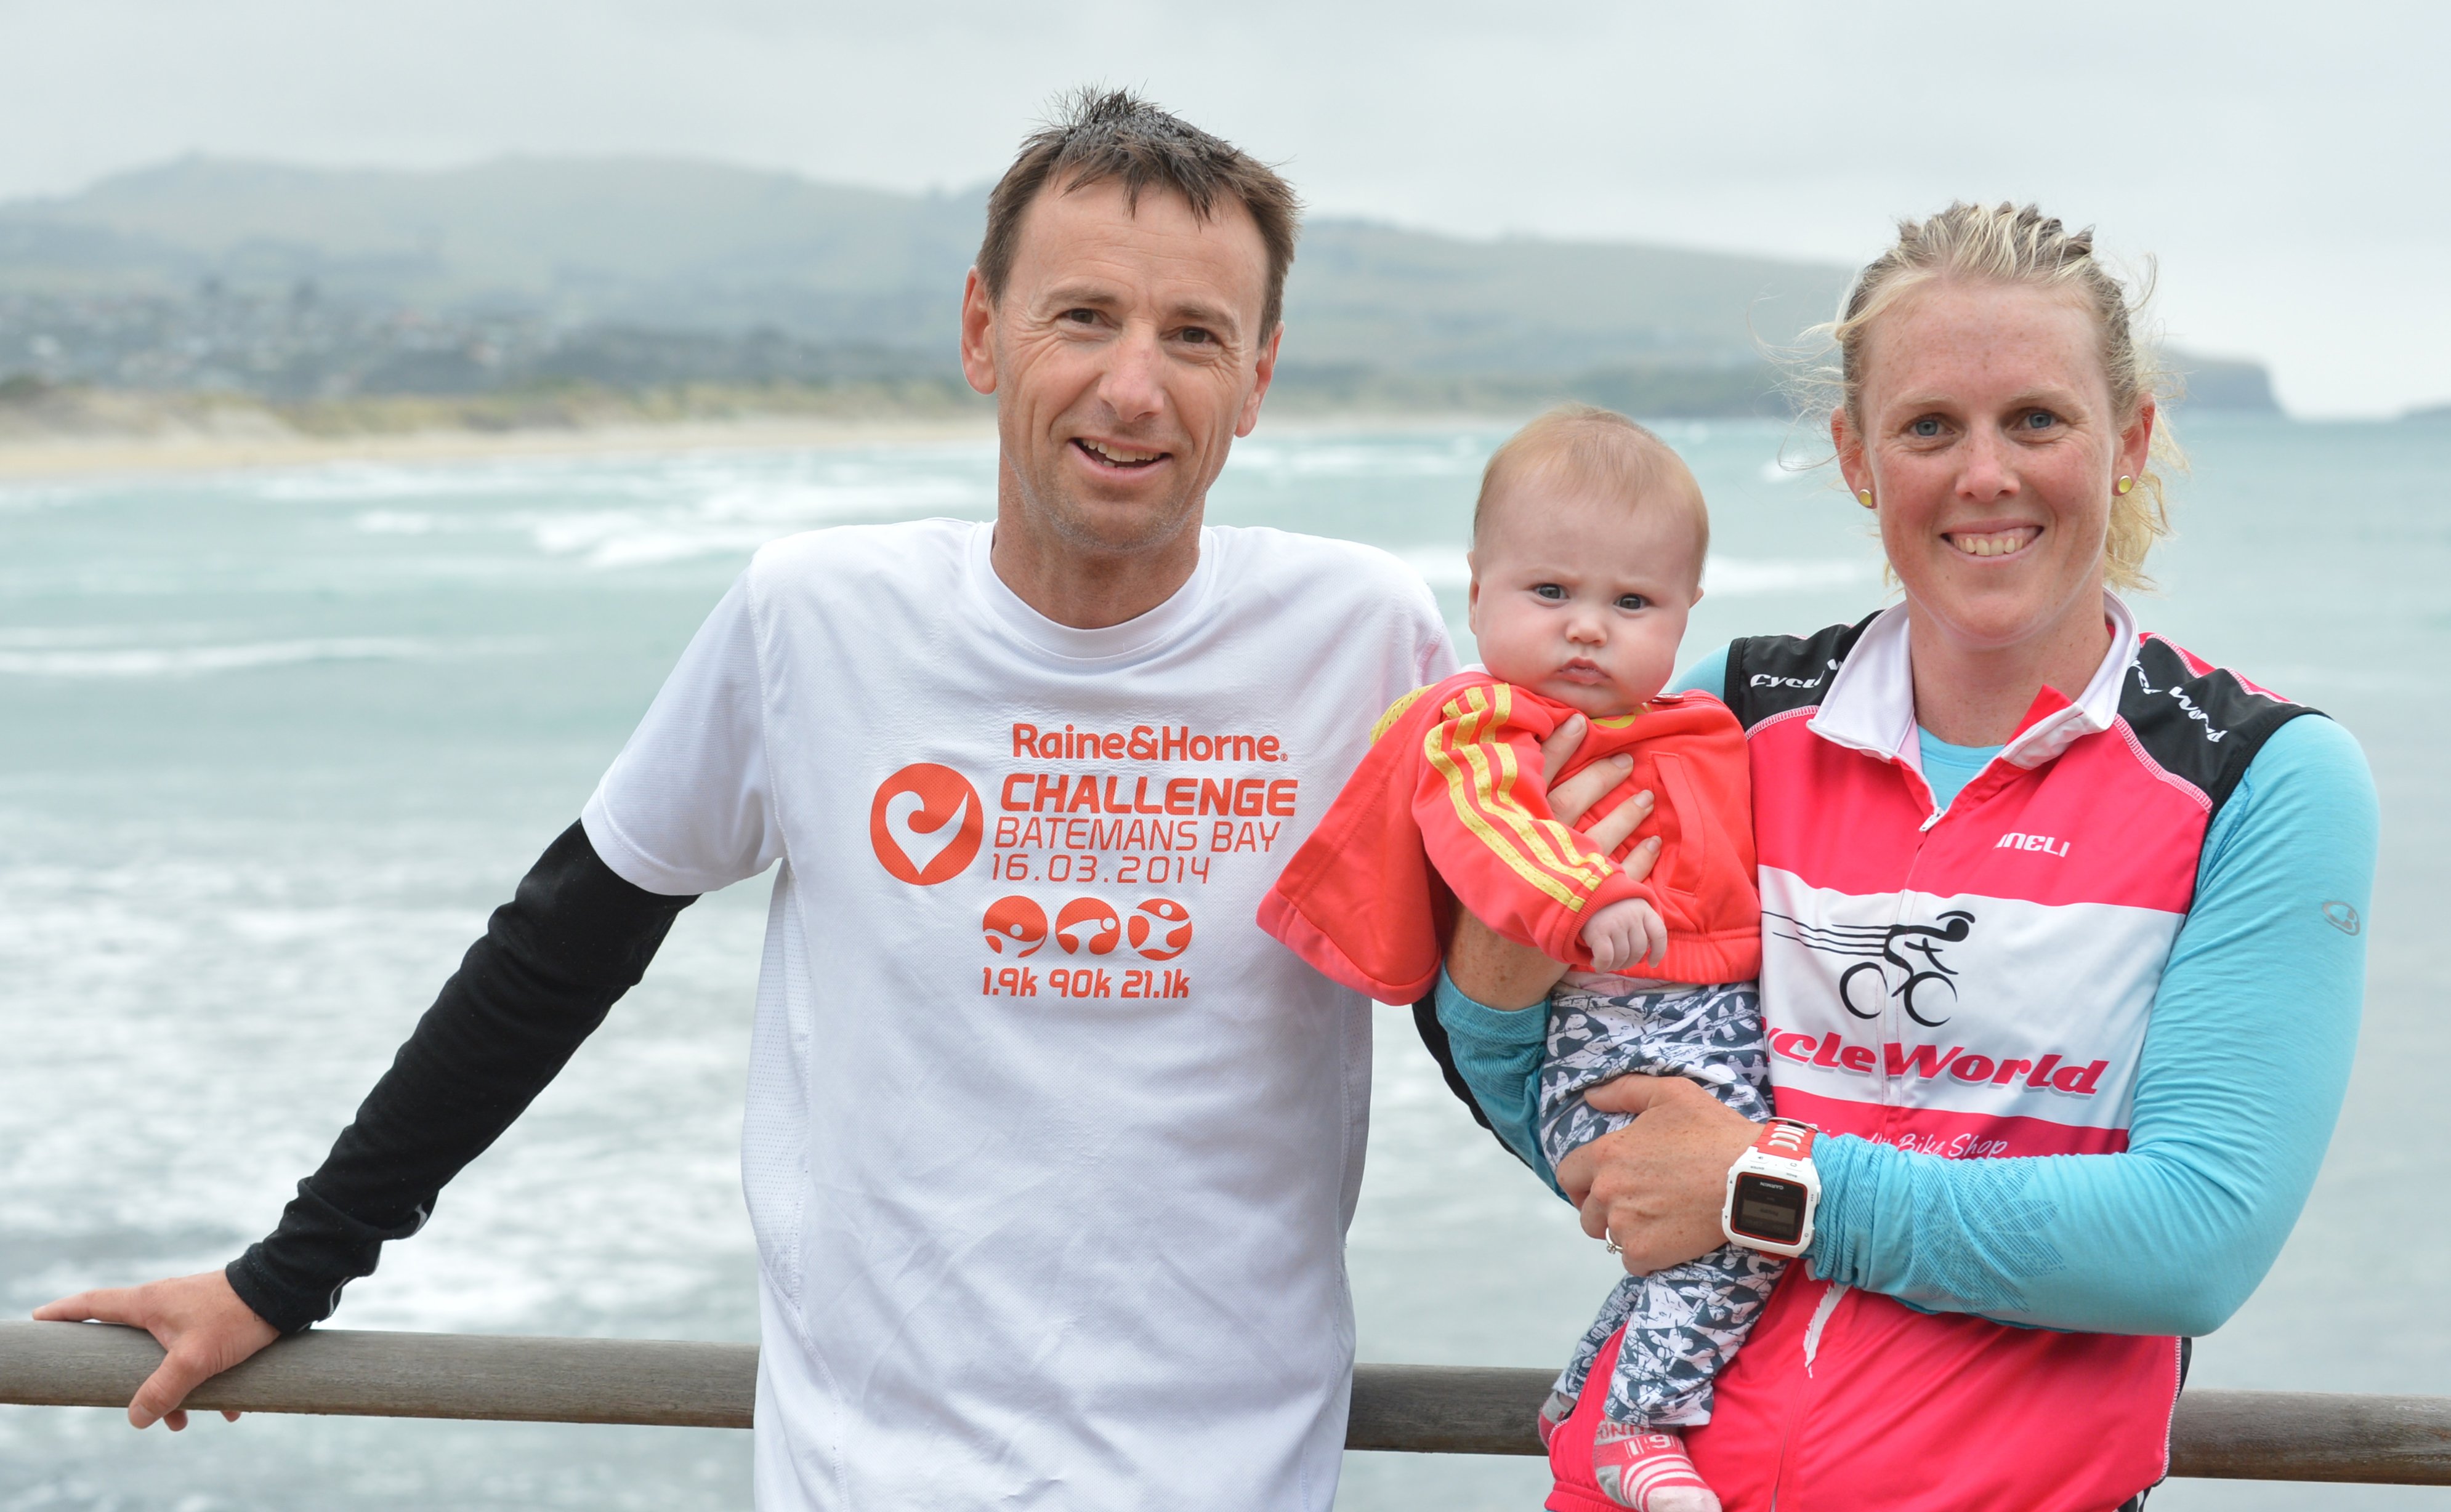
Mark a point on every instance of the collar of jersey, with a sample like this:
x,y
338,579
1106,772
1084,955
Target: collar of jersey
x,y
1871,703
1131,640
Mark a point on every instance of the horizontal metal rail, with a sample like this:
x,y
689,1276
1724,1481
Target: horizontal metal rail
x,y
1418,1408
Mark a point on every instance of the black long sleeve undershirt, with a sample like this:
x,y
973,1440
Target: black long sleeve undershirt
x,y
552,961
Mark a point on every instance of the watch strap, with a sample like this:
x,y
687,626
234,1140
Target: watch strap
x,y
1786,1139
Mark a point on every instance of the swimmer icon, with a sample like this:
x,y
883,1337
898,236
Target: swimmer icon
x,y
1016,925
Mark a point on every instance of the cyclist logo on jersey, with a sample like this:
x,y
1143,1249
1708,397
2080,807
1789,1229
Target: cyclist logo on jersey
x,y
1904,962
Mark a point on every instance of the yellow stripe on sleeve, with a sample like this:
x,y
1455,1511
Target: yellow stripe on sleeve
x,y
1481,830
1537,851
1394,712
1548,843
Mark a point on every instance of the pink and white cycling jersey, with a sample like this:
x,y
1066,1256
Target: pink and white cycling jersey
x,y
1974,982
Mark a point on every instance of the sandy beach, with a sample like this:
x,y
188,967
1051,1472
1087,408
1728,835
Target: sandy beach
x,y
38,456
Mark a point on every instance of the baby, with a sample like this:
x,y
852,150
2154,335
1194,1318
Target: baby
x,y
1587,557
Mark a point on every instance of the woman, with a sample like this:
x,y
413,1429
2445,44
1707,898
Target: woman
x,y
2061,934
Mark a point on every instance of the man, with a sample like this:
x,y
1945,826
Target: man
x,y
1049,1151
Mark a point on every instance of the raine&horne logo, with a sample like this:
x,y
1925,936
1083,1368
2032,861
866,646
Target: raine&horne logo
x,y
926,824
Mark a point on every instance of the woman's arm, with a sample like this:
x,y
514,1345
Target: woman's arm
x,y
2245,1066
1496,1052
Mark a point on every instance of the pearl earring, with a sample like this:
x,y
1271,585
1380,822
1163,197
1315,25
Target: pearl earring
x,y
2125,483
1864,497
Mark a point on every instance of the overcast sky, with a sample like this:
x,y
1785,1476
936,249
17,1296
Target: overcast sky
x,y
2289,165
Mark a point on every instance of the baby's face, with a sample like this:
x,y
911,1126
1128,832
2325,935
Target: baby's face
x,y
1582,598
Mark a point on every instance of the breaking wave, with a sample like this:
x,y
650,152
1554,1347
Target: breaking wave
x,y
191,661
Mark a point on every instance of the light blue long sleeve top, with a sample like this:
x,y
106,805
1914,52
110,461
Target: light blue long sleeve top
x,y
2245,1063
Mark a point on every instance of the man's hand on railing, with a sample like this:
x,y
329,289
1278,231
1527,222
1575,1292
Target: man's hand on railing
x,y
198,1319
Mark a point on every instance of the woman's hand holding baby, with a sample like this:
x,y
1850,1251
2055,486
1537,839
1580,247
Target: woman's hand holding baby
x,y
1493,970
1625,933
1656,1186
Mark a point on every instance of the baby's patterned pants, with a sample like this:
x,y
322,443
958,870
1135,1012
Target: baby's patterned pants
x,y
1683,1324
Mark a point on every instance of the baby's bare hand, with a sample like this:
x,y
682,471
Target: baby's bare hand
x,y
1624,934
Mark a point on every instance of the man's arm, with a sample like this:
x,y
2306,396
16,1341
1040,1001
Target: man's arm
x,y
683,810
552,963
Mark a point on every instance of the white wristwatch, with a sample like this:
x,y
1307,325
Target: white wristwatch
x,y
1772,1190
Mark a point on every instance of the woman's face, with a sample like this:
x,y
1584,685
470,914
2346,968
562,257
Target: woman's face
x,y
1991,450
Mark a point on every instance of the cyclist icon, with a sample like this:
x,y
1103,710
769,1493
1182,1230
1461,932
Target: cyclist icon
x,y
1912,949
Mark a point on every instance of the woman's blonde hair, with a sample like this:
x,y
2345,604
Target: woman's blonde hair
x,y
2012,245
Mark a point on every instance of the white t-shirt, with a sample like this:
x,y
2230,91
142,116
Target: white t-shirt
x,y
1049,1151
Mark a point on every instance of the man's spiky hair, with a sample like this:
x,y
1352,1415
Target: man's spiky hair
x,y
1104,136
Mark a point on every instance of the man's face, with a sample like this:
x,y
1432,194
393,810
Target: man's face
x,y
1126,356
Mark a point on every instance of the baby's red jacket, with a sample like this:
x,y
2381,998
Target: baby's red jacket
x,y
1449,805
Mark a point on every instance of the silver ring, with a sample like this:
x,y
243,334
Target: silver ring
x,y
1613,1245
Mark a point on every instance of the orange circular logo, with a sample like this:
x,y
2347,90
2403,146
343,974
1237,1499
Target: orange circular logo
x,y
1088,923
926,824
1160,929
1016,924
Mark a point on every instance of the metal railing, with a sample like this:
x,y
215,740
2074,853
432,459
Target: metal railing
x,y
1414,1408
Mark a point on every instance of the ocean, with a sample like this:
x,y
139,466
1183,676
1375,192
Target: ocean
x,y
272,744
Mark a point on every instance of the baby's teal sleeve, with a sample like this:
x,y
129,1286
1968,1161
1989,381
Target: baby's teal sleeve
x,y
2245,1063
1498,1054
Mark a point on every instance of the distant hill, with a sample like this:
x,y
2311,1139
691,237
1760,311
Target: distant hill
x,y
535,267
680,244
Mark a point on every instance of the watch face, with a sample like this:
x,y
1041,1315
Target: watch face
x,y
1768,1208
